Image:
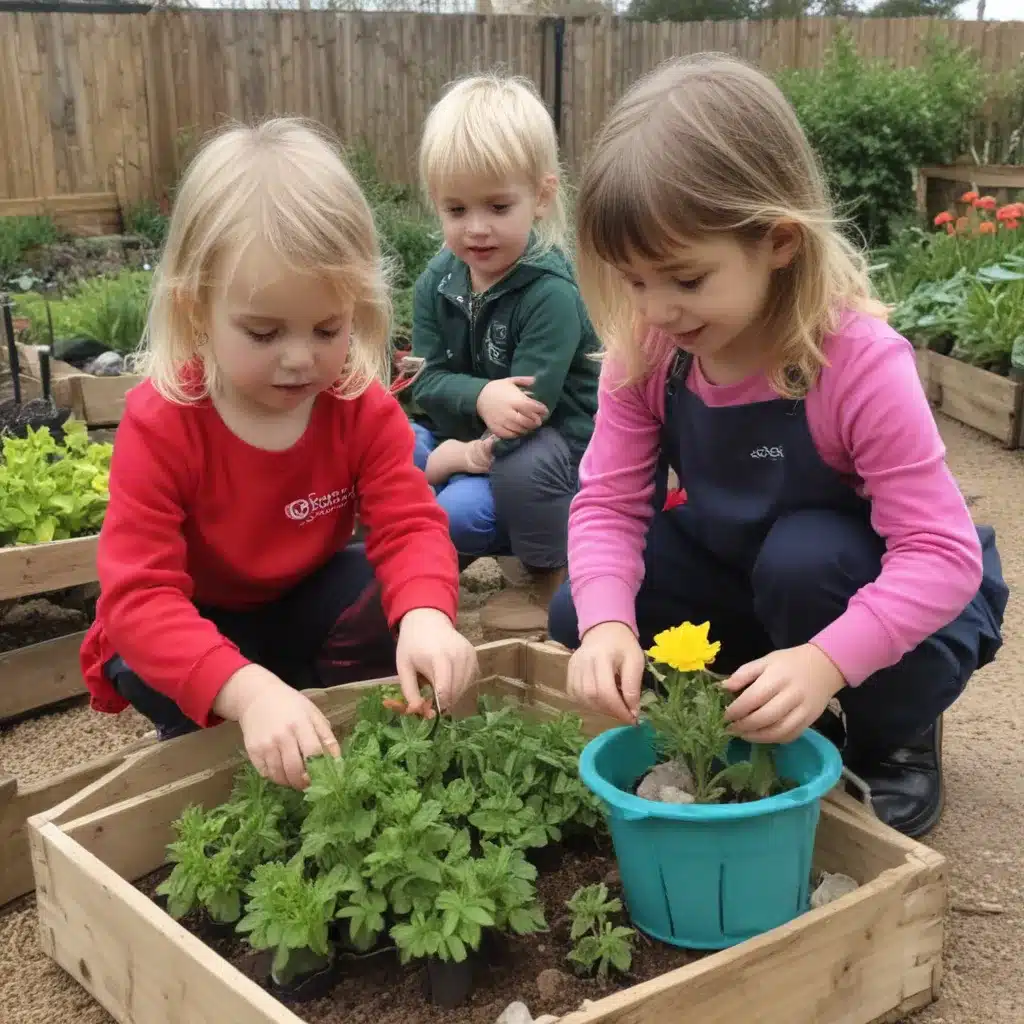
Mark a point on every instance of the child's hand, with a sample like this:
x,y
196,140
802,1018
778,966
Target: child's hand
x,y
509,411
480,455
429,645
606,673
447,459
280,726
783,693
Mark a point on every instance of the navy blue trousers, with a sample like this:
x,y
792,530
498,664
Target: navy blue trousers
x,y
812,562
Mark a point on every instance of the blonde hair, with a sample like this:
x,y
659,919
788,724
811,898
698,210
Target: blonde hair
x,y
283,183
493,127
707,145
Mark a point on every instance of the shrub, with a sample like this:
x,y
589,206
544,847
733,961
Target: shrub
x,y
146,221
872,125
110,310
18,235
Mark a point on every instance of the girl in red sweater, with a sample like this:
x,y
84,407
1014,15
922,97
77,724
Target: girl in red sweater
x,y
227,573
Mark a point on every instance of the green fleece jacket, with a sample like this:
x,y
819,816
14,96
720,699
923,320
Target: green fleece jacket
x,y
532,323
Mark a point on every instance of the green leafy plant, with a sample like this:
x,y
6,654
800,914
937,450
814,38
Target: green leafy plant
x,y
148,222
110,310
18,235
411,835
290,913
598,943
688,718
51,491
872,124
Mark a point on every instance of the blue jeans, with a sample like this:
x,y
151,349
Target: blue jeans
x,y
468,502
520,508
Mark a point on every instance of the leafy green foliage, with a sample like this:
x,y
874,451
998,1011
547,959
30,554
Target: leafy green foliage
x,y
598,943
20,234
51,491
873,124
146,221
689,724
415,837
110,310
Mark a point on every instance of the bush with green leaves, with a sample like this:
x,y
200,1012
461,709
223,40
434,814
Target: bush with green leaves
x,y
147,222
110,310
873,125
20,234
410,835
51,491
599,944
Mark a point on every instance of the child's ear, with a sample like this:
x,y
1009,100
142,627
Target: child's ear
x,y
546,192
785,239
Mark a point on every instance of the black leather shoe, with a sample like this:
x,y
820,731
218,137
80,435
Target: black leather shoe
x,y
906,785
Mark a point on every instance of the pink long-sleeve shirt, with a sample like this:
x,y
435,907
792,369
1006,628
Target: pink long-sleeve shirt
x,y
869,420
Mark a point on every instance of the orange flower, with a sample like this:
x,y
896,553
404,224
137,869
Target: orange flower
x,y
985,203
968,197
943,218
986,227
1012,211
1011,225
962,225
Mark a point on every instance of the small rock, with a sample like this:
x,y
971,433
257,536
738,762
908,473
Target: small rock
x,y
612,878
107,364
515,1013
831,888
546,1019
670,773
674,795
483,576
550,983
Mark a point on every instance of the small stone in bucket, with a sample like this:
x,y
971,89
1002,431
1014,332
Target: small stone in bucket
x,y
671,775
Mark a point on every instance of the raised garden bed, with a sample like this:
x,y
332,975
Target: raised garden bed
x,y
873,955
979,398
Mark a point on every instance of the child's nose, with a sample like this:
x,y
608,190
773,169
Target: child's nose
x,y
659,309
297,355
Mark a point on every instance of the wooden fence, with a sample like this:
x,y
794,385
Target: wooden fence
x,y
99,103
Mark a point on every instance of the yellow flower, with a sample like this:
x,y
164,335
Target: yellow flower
x,y
685,648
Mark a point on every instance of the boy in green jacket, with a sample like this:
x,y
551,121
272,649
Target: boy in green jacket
x,y
508,389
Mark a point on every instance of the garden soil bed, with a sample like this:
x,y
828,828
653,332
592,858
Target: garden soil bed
x,y
531,969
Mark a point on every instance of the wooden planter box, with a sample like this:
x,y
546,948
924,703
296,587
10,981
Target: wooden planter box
x,y
983,400
96,401
872,956
35,677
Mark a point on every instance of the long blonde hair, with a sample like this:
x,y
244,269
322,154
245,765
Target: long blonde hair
x,y
283,183
704,145
493,127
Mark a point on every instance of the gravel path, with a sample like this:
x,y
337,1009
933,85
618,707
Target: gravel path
x,y
982,832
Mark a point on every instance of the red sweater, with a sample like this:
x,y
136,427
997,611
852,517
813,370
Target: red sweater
x,y
198,515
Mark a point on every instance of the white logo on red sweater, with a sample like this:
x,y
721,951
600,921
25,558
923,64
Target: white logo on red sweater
x,y
313,506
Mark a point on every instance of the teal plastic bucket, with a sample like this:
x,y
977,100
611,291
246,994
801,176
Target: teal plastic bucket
x,y
707,876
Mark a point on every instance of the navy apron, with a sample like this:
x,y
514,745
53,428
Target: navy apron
x,y
746,469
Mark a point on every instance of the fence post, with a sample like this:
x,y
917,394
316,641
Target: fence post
x,y
556,113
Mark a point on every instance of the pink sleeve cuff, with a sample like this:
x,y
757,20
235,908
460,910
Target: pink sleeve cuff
x,y
858,644
604,599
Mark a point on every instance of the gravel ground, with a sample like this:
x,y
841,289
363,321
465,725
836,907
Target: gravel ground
x,y
982,832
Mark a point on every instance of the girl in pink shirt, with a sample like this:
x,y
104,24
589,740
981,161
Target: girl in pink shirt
x,y
817,525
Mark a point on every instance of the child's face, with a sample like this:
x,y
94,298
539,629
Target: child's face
x,y
278,337
487,224
711,296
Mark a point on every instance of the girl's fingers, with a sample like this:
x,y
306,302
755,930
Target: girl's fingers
x,y
756,695
608,691
769,714
292,762
274,768
745,675
442,681
782,732
632,675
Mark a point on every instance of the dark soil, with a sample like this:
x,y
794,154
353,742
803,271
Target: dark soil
x,y
532,969
30,620
64,264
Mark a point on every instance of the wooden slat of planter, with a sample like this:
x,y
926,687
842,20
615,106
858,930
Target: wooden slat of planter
x,y
873,956
18,804
38,568
39,675
983,400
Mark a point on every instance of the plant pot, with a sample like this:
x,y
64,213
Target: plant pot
x,y
305,985
708,876
448,984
